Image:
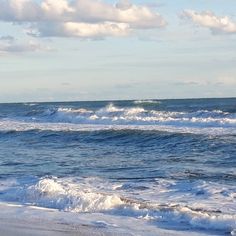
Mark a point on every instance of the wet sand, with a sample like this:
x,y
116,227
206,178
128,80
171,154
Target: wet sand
x,y
18,220
29,221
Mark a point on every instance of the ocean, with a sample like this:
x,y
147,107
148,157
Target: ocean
x,y
164,164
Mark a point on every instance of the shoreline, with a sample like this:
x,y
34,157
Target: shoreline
x,y
24,220
27,221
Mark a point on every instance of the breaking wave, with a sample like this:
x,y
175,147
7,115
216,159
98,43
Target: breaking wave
x,y
147,102
8,126
159,202
112,115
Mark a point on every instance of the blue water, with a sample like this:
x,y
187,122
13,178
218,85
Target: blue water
x,y
180,152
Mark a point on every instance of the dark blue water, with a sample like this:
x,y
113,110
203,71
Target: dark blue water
x,y
187,142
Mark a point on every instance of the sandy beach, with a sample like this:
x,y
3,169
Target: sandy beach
x,y
22,229
27,221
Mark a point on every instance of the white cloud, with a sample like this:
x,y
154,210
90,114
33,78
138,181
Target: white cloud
x,y
80,18
9,44
95,30
19,10
58,7
81,30
209,20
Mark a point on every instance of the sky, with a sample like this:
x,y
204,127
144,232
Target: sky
x,y
72,50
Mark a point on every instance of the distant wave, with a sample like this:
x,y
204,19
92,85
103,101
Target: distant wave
x,y
147,102
9,126
215,209
112,115
30,104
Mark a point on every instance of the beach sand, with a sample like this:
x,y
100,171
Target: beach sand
x,y
25,229
18,220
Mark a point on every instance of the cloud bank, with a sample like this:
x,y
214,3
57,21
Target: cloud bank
x,y
79,18
209,20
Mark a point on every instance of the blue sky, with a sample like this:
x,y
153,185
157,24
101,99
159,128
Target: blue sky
x,y
56,50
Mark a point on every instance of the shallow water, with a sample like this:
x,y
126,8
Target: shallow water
x,y
168,163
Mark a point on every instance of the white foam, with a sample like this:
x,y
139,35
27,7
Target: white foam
x,y
30,104
21,126
29,220
147,102
68,196
139,116
179,204
7,126
116,118
71,110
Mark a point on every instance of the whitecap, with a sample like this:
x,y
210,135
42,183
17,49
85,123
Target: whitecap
x,y
165,201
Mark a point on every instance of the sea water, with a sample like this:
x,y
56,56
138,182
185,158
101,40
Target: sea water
x,y
169,164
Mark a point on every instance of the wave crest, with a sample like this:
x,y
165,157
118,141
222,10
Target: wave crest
x,y
139,116
147,102
114,117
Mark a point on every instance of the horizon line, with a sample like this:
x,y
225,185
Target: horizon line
x,y
116,100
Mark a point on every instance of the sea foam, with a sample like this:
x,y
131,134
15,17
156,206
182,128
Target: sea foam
x,y
198,205
113,117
